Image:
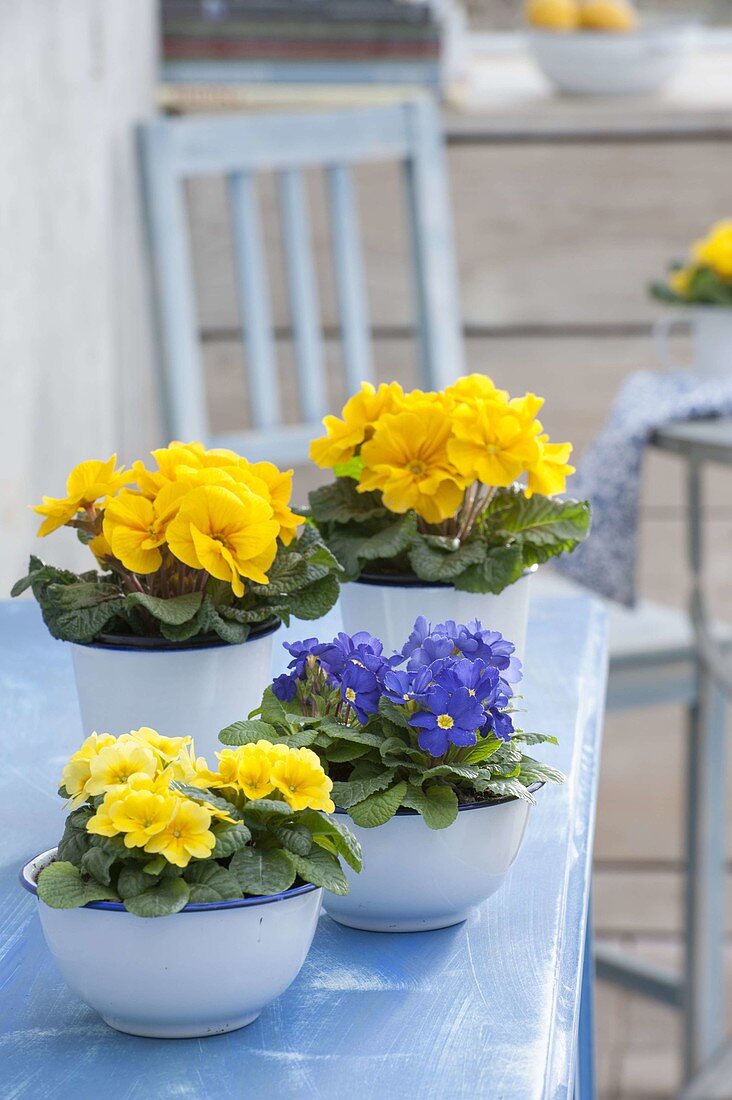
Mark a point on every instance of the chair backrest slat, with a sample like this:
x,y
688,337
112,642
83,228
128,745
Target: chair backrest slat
x,y
435,273
184,405
352,303
303,295
254,309
239,147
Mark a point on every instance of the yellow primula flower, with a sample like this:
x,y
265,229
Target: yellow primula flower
x,y
474,387
167,748
101,824
186,835
77,772
279,486
549,475
254,770
100,548
140,815
227,774
114,764
491,444
407,459
360,415
87,483
680,280
135,527
715,250
300,777
230,532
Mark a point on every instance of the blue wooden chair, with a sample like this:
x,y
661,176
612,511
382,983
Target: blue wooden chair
x,y
239,148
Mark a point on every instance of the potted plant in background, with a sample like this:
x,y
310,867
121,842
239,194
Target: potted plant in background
x,y
426,515
426,761
703,286
235,860
199,561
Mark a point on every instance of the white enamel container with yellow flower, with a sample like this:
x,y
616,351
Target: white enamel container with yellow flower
x,y
702,286
234,860
443,505
200,560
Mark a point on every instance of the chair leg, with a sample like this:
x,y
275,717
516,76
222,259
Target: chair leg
x,y
585,1083
705,878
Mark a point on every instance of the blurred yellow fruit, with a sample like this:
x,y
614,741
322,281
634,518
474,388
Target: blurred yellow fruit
x,y
556,15
608,15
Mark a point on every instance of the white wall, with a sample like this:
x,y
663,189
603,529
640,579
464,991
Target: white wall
x,y
75,334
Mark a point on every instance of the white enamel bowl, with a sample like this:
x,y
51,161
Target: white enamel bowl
x,y
388,609
177,690
595,63
415,878
208,969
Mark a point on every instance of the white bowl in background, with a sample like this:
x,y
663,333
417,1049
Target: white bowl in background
x,y
613,63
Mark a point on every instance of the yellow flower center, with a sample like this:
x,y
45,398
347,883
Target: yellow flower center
x,y
350,695
417,468
445,722
471,691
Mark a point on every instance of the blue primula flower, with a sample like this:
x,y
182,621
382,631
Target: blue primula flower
x,y
498,723
481,680
284,687
397,686
426,645
300,651
360,689
452,717
489,646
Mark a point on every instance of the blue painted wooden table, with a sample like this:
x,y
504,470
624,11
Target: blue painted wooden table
x,y
488,1009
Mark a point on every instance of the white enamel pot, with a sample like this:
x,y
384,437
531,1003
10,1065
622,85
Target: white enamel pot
x,y
388,608
415,878
197,688
711,333
208,969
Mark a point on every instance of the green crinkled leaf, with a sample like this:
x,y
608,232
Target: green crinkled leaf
x,y
97,864
345,752
247,732
295,838
340,502
229,839
534,771
395,750
132,881
173,611
337,838
316,600
432,560
74,844
452,771
549,525
261,871
483,750
356,790
353,551
395,714
169,896
208,881
155,865
500,567
438,805
265,808
510,788
322,868
61,886
379,807
534,738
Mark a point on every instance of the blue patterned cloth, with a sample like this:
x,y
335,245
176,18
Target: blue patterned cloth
x,y
609,474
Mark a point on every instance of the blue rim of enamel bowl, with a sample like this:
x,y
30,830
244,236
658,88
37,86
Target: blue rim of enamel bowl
x,y
194,907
